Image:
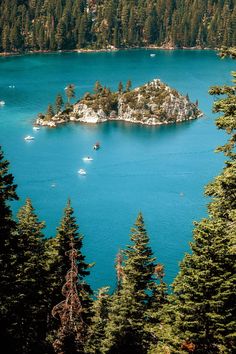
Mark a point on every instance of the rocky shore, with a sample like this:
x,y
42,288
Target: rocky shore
x,y
154,103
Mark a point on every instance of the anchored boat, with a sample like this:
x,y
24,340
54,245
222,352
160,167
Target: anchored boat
x,y
29,137
96,146
82,171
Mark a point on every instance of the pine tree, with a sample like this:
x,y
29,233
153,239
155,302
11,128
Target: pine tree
x,y
8,250
59,103
98,322
58,263
205,286
97,87
30,307
128,85
120,87
50,112
70,92
125,330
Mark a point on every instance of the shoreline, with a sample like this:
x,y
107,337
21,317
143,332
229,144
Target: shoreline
x,y
106,50
121,120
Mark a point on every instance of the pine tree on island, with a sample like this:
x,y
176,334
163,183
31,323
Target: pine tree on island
x,y
120,87
97,87
59,103
128,86
50,112
70,93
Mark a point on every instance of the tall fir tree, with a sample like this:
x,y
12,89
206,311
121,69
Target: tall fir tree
x,y
126,328
99,320
59,103
30,306
8,250
58,264
70,92
204,290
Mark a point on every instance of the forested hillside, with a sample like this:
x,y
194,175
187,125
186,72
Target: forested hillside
x,y
68,24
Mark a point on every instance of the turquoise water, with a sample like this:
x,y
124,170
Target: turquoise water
x,y
158,170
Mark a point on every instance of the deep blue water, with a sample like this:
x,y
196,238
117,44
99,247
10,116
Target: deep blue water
x,y
158,170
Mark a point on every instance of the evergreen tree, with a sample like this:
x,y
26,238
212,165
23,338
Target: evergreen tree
x,y
50,112
30,306
8,250
205,287
58,264
70,92
98,323
98,87
59,103
128,86
120,87
125,331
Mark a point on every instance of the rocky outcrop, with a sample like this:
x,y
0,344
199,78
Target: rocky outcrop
x,y
154,103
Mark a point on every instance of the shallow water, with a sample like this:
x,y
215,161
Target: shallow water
x,y
158,170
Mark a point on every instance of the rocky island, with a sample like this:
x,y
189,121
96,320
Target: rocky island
x,y
154,103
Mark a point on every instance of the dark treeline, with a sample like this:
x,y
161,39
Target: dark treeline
x,y
68,24
47,306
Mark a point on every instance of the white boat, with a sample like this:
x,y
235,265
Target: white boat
x,y
152,55
36,128
2,103
29,137
82,172
87,158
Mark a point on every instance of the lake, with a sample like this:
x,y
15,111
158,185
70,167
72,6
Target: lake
x,y
160,171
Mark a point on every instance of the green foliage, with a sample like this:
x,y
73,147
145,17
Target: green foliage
x,y
128,86
62,25
50,112
120,87
59,103
99,320
70,92
58,264
227,122
8,250
128,313
30,307
204,290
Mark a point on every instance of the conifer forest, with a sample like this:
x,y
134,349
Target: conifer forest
x,y
33,25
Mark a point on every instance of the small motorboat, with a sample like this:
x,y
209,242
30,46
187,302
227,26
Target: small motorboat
x,y
2,103
152,55
82,171
36,128
87,158
96,146
29,137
